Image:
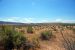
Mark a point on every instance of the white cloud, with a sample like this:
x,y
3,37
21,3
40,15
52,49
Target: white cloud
x,y
28,20
58,20
11,19
65,21
68,21
18,19
34,20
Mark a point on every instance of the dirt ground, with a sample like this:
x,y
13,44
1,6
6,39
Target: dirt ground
x,y
62,35
55,43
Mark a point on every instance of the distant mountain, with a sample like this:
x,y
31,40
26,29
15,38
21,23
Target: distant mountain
x,y
10,23
18,23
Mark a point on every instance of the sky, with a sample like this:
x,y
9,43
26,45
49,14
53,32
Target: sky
x,y
37,11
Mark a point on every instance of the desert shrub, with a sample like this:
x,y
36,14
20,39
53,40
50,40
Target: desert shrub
x,y
36,42
46,35
29,29
31,45
18,40
22,31
55,29
7,35
11,38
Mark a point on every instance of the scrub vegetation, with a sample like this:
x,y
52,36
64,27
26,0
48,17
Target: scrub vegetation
x,y
37,37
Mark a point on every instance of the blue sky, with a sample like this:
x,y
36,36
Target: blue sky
x,y
34,11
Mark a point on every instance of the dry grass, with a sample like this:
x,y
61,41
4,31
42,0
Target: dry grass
x,y
63,36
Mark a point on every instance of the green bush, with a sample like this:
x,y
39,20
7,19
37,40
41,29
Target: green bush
x,y
46,35
7,37
12,38
29,29
18,39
